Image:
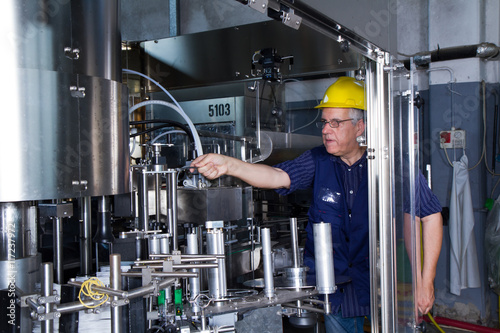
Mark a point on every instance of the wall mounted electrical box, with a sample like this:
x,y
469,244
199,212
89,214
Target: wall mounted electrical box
x,y
452,139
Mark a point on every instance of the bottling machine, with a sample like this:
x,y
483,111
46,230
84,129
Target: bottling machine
x,y
104,225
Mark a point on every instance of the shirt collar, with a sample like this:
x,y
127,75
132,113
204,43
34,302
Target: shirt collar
x,y
358,162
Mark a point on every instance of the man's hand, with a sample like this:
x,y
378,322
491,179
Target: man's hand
x,y
212,166
425,296
259,175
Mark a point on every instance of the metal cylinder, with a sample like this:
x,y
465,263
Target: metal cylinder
x,y
194,283
295,242
172,205
86,237
217,285
267,258
115,279
323,254
47,285
104,232
78,120
165,244
154,244
14,221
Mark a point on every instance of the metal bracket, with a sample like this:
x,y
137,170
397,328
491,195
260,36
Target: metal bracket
x,y
56,210
48,316
48,299
79,185
70,53
23,301
291,19
120,302
77,92
146,276
168,266
258,5
406,93
370,153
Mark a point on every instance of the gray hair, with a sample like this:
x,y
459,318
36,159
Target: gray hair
x,y
356,115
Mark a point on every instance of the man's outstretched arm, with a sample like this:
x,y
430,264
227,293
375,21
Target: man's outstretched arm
x,y
213,166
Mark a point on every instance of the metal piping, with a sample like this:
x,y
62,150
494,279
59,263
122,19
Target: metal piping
x,y
86,237
115,280
47,284
295,242
163,274
58,248
194,283
267,257
172,206
483,51
142,192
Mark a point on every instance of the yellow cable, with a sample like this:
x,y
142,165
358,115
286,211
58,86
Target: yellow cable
x,y
434,322
86,290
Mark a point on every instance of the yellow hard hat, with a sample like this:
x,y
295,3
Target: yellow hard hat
x,y
346,92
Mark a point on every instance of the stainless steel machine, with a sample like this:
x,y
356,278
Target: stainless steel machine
x,y
104,227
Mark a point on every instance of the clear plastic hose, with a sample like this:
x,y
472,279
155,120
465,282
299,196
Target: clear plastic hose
x,y
176,107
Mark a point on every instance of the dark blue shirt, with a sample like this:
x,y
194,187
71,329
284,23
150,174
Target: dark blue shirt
x,y
302,172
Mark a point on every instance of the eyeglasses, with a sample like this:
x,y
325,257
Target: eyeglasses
x,y
334,123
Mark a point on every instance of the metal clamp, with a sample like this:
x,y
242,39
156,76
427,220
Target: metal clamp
x,y
48,299
79,185
370,153
48,316
70,53
291,19
77,92
119,302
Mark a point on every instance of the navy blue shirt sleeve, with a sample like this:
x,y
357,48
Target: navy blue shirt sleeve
x,y
427,200
300,171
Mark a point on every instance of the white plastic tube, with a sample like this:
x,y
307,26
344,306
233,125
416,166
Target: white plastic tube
x,y
176,107
197,141
167,133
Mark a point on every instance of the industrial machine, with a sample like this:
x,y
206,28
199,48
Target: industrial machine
x,y
105,226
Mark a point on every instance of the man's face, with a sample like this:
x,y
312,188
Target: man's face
x,y
340,141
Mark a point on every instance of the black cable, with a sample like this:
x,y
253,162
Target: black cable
x,y
166,123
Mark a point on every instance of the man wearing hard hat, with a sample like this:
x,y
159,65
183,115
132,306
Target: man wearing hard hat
x,y
337,173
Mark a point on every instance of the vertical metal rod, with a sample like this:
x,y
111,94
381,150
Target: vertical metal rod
x,y
58,249
323,255
47,285
86,237
257,113
158,197
172,204
295,242
115,280
142,186
194,283
222,264
267,261
150,309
